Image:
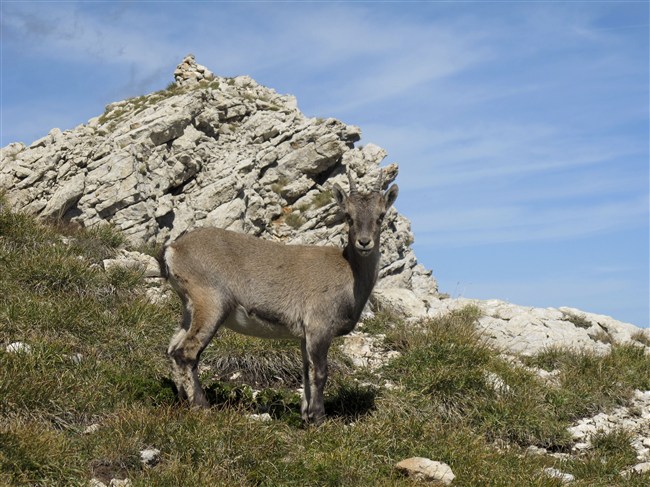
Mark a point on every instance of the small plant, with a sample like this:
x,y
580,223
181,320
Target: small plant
x,y
578,320
279,185
322,199
294,220
642,336
603,337
549,359
611,453
381,322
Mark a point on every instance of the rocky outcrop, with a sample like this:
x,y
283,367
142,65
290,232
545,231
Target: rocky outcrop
x,y
526,330
208,151
188,72
633,418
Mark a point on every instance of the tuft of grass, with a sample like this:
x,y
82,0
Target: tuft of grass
x,y
578,320
323,198
590,383
294,220
603,337
603,464
447,362
279,185
643,337
381,323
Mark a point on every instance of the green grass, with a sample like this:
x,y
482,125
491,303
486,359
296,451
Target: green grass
x,y
294,220
323,198
55,296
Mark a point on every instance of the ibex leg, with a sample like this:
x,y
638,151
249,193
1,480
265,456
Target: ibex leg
x,y
186,346
314,358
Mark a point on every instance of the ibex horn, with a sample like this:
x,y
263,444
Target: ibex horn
x,y
379,184
353,186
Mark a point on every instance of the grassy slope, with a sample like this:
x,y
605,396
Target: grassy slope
x,y
55,296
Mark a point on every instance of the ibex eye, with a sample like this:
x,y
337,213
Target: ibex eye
x,y
381,218
349,219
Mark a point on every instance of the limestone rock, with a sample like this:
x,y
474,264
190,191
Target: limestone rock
x,y
18,347
554,473
427,470
90,429
149,457
639,469
262,418
365,350
134,260
189,72
634,418
527,330
400,301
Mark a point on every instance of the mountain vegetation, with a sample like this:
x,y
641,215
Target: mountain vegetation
x,y
85,388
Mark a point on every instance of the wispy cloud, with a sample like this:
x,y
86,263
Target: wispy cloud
x,y
518,223
68,32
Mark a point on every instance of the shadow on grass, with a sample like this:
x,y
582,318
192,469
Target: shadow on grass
x,y
351,402
347,402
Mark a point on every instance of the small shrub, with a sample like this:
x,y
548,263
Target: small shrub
x,y
549,359
278,186
603,337
642,336
612,452
322,199
578,320
381,322
294,220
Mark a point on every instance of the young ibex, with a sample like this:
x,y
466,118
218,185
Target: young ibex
x,y
270,290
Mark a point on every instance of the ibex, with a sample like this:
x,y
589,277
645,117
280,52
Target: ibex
x,y
271,290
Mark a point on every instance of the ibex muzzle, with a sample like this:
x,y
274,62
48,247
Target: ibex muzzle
x,y
269,290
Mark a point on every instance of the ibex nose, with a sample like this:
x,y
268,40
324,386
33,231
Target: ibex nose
x,y
365,243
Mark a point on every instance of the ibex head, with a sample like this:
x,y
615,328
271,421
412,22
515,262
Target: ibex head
x,y
364,213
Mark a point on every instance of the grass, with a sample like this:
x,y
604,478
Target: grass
x,y
279,185
578,320
98,357
294,220
642,337
323,198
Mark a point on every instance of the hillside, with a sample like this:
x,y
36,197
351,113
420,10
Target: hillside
x,y
86,389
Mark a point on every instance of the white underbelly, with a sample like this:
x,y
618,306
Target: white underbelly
x,y
249,324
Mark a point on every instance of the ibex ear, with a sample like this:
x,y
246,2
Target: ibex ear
x,y
390,196
340,196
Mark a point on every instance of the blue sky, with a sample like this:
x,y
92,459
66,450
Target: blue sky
x,y
521,128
